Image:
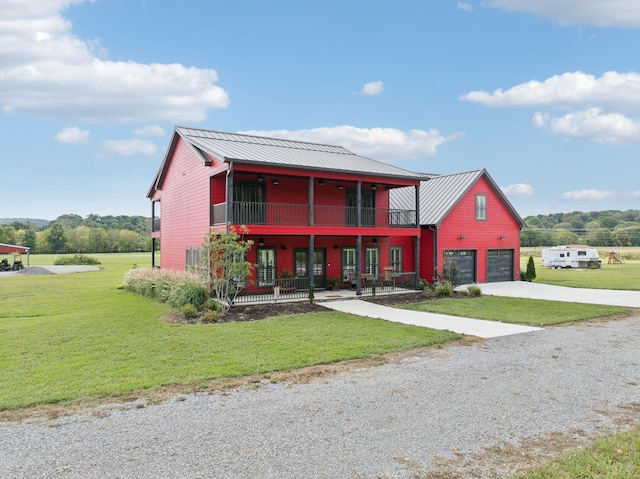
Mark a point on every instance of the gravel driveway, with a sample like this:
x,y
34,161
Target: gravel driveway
x,y
384,421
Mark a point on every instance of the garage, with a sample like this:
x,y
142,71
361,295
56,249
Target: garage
x,y
499,265
465,261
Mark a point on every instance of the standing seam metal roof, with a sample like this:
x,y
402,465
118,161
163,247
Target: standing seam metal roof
x,y
440,194
288,153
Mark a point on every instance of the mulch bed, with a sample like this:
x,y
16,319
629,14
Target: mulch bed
x,y
255,312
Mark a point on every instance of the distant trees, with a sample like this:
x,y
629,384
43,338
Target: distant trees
x,y
595,228
73,234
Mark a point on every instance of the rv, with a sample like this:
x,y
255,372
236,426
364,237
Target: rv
x,y
571,257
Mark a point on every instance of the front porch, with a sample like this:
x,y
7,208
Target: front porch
x,y
289,290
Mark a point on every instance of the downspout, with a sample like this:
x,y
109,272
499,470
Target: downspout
x,y
435,248
229,185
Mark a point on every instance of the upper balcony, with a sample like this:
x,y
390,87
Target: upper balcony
x,y
283,214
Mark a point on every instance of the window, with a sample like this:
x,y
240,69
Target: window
x,y
195,263
249,203
395,258
481,207
348,263
238,258
266,267
371,261
187,262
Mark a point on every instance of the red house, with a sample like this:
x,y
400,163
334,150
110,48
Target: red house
x,y
315,211
466,219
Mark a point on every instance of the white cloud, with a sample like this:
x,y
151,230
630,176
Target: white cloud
x,y
129,147
592,124
377,143
611,90
149,132
372,88
623,13
465,6
587,195
518,190
73,135
47,72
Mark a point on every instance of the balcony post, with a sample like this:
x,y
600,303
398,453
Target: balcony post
x,y
359,264
359,203
311,207
417,253
310,260
417,205
229,187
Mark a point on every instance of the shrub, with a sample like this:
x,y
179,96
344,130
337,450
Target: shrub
x,y
189,311
530,273
443,289
424,284
474,290
209,316
334,283
174,287
76,259
463,292
212,305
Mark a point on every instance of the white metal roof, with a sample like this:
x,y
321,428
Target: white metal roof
x,y
243,148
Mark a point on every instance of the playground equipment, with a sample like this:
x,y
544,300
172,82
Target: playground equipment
x,y
613,258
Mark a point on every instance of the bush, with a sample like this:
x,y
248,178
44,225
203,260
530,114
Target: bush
x,y
76,259
530,273
189,311
212,305
474,290
443,289
209,316
174,287
333,283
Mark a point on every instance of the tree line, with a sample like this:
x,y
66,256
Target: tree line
x,y
595,228
73,234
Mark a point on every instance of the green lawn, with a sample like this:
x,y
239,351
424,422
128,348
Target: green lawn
x,y
517,310
609,276
65,337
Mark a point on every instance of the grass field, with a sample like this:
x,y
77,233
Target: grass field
x,y
65,337
609,276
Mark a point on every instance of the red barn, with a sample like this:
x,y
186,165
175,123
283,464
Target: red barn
x,y
466,219
316,211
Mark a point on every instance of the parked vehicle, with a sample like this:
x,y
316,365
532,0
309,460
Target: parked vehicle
x,y
571,257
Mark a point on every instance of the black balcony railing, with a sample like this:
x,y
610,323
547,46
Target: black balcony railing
x,y
248,213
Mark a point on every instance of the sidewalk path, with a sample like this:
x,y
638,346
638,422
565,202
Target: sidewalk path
x,y
524,289
468,326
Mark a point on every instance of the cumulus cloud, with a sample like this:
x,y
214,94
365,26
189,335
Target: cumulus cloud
x,y
611,90
148,132
623,13
128,147
379,143
48,72
465,6
372,88
592,124
73,135
592,194
518,190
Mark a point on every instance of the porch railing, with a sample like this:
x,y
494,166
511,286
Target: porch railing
x,y
388,282
249,213
284,289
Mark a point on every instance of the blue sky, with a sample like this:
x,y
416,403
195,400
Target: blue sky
x,y
544,94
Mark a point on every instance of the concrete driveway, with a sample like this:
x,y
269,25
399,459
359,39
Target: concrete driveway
x,y
524,289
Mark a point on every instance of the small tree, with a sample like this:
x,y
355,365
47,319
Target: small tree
x,y
530,273
225,264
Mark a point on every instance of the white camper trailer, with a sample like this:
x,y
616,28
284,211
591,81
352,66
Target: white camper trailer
x,y
571,257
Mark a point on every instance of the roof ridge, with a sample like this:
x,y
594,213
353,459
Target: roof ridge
x,y
267,141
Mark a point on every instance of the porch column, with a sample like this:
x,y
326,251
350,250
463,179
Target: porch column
x,y
359,262
229,195
310,259
418,205
311,208
359,203
417,252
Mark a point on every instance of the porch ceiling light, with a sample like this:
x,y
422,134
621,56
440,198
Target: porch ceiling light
x,y
321,182
340,187
261,242
373,186
260,178
276,182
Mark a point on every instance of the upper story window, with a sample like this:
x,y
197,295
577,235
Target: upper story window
x,y
481,207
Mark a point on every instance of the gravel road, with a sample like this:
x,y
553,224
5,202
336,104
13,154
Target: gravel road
x,y
385,421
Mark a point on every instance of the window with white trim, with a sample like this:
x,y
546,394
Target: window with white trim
x,y
348,264
395,259
266,267
372,261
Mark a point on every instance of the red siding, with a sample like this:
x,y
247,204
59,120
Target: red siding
x,y
185,206
479,235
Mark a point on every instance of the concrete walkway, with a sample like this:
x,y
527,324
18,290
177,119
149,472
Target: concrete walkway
x,y
524,289
467,326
